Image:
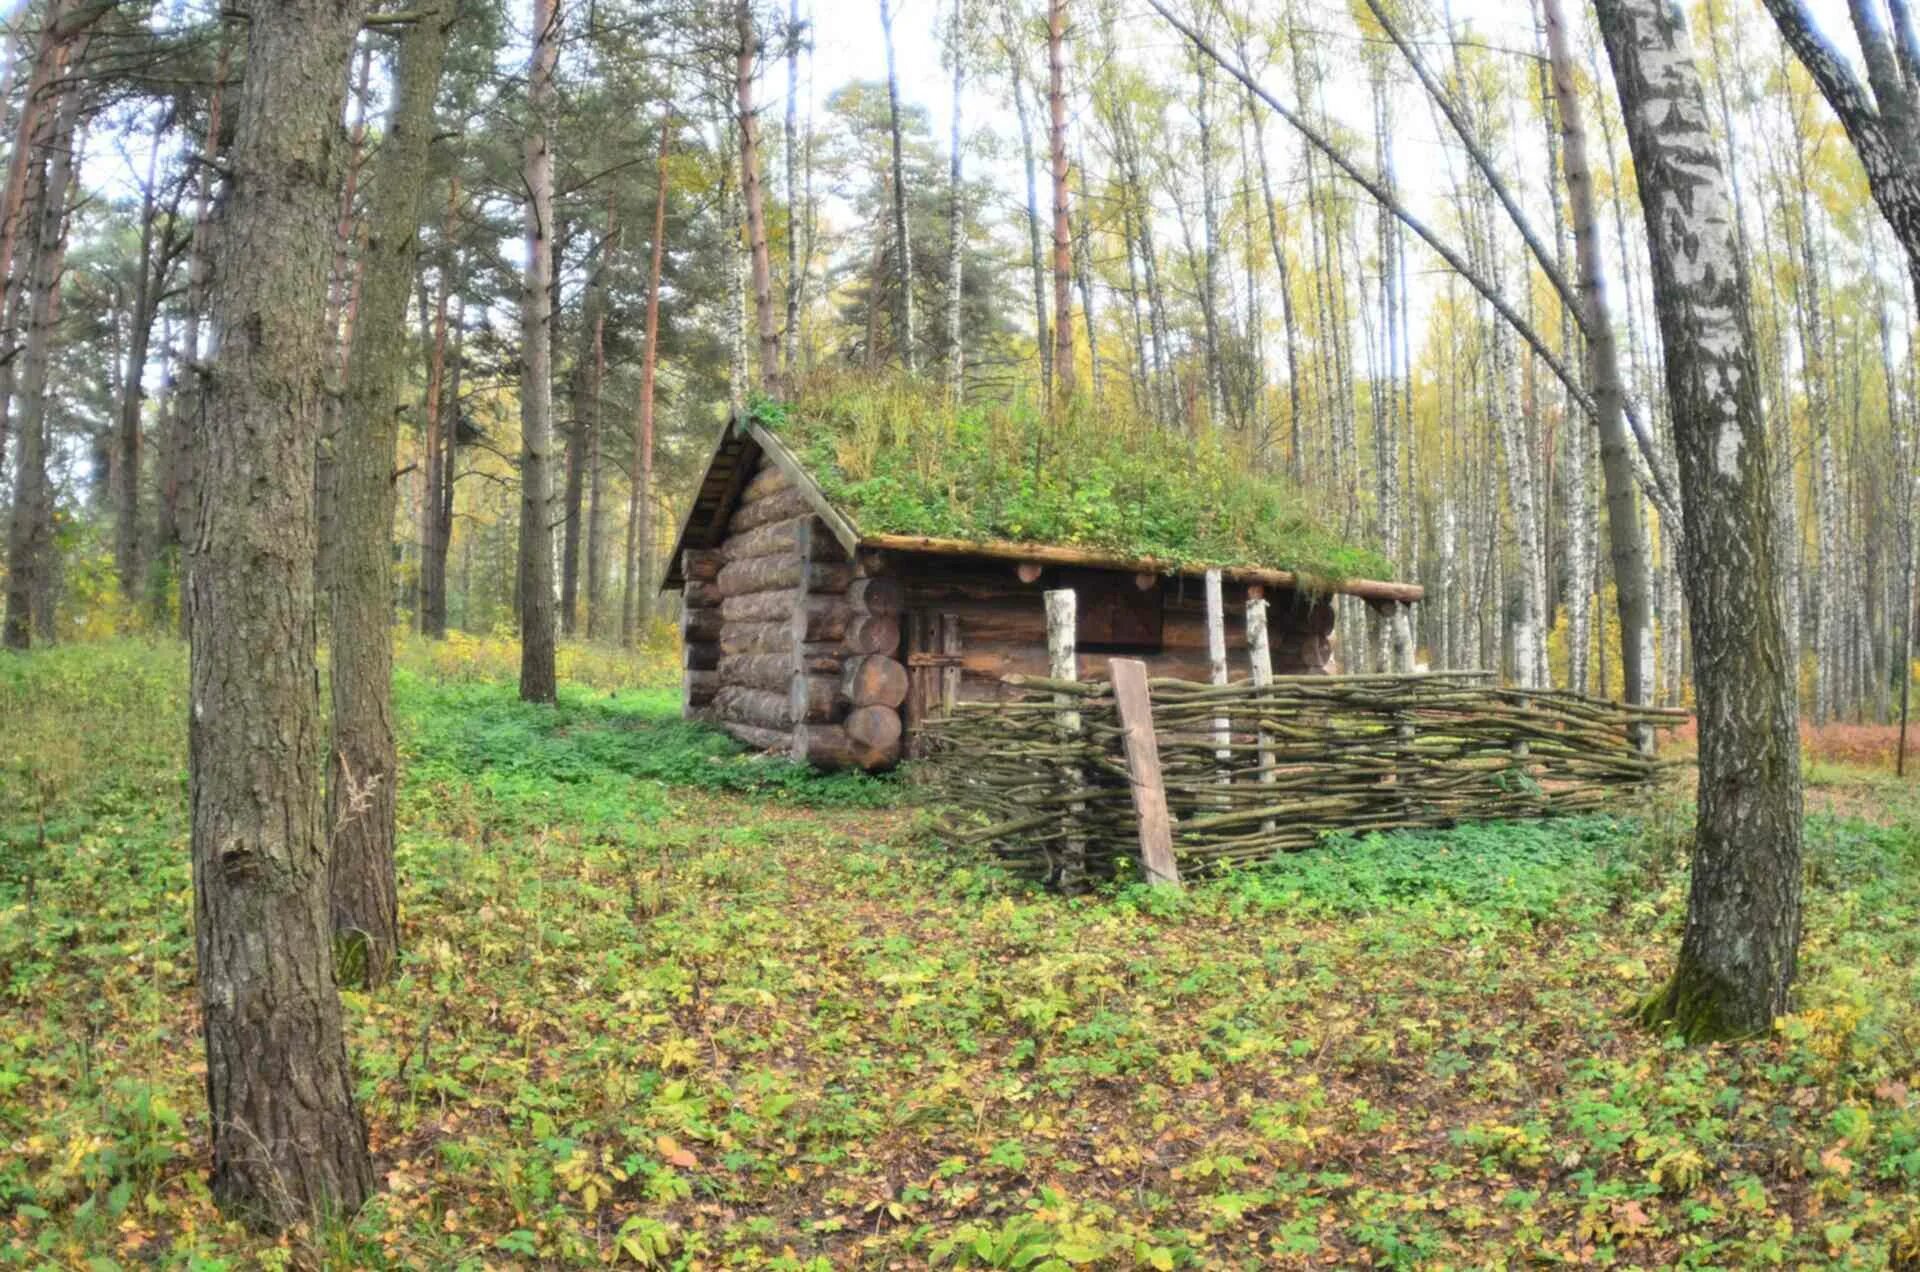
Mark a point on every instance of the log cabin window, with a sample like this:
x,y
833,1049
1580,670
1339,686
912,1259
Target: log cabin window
x,y
1116,615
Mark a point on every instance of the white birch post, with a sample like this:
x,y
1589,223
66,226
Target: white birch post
x,y
1217,656
1063,663
1260,656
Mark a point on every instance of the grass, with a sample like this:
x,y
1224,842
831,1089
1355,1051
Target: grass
x,y
898,458
663,1004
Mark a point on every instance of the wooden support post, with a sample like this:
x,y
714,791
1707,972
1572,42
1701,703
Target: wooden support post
x,y
1217,657
1260,655
1135,708
1063,663
950,674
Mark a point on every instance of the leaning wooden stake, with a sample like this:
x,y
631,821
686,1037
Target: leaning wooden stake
x,y
1260,655
1063,663
1135,709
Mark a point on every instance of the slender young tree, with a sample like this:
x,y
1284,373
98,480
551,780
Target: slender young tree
x,y
636,609
1742,935
789,358
361,766
902,243
288,1142
537,681
1036,257
750,192
1063,371
956,224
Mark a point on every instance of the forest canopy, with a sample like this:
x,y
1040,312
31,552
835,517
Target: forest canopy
x,y
899,457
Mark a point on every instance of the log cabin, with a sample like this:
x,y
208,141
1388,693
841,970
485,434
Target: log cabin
x,y
807,634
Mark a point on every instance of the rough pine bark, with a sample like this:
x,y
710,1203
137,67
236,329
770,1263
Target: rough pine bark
x,y
288,1142
537,681
1737,956
30,548
361,766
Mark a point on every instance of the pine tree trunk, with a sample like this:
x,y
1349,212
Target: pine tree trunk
x,y
638,607
596,485
1063,364
442,413
361,768
30,548
956,221
288,1142
1625,537
902,241
537,683
1738,953
128,523
750,192
789,361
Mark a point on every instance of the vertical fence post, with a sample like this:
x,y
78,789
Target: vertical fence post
x,y
1260,655
1063,663
1217,657
1135,708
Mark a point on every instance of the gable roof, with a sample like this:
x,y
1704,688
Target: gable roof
x,y
743,443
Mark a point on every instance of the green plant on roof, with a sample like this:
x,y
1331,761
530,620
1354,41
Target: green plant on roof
x,y
898,458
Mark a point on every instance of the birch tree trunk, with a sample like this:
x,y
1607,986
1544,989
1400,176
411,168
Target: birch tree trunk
x,y
1742,935
361,768
1210,238
1037,268
288,1142
537,682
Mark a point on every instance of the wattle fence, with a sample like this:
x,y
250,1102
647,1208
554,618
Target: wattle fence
x,y
1064,779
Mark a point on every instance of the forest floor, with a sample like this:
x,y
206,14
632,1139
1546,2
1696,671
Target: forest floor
x,y
666,1005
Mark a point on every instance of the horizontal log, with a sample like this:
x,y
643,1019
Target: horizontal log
x,y
814,698
770,480
820,618
698,625
700,655
872,634
875,733
702,564
756,638
700,595
825,746
769,573
871,680
758,607
778,507
757,671
778,538
741,705
1053,554
875,595
699,687
779,741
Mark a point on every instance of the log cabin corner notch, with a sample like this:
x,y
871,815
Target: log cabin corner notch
x,y
805,633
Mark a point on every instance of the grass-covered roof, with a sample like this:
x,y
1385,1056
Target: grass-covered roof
x,y
896,457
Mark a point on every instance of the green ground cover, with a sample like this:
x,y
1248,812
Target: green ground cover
x,y
898,458
668,1005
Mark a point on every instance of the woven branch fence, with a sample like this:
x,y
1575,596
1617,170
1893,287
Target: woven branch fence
x,y
1058,788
